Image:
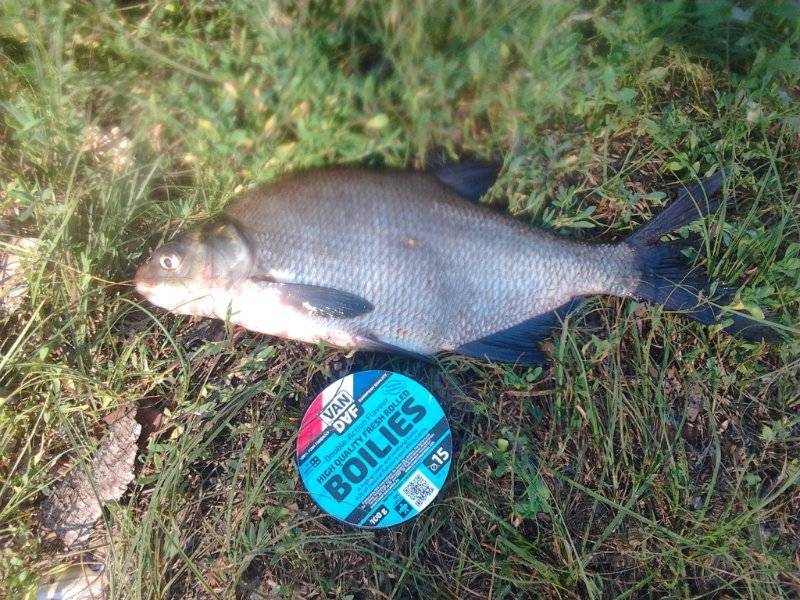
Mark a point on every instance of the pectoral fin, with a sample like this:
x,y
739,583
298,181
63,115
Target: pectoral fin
x,y
320,301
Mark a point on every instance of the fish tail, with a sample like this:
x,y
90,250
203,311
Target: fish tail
x,y
666,276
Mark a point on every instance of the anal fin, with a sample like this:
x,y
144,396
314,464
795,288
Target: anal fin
x,y
519,344
371,342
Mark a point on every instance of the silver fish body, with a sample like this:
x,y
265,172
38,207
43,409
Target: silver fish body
x,y
397,260
440,271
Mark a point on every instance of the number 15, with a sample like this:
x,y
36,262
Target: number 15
x,y
441,456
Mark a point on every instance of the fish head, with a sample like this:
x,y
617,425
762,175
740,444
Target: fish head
x,y
195,273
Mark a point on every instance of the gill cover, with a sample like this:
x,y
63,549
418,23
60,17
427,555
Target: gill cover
x,y
230,253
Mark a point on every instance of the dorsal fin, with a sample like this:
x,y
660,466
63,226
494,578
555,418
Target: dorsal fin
x,y
471,179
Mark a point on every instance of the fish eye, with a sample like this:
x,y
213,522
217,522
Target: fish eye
x,y
169,262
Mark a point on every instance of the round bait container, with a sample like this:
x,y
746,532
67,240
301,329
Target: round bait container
x,y
374,449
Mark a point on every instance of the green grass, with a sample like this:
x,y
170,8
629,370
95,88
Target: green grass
x,y
655,458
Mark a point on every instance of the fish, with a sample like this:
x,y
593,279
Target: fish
x,y
409,262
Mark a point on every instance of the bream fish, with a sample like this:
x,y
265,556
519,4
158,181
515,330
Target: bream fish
x,y
409,262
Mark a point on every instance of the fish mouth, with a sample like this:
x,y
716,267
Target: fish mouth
x,y
143,285
154,292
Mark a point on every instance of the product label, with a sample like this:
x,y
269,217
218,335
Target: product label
x,y
374,449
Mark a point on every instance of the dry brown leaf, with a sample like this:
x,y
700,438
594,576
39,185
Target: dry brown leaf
x,y
694,405
75,504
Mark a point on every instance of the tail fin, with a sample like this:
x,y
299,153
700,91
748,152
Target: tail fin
x,y
667,277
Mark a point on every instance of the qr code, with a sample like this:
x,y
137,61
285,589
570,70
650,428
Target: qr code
x,y
418,490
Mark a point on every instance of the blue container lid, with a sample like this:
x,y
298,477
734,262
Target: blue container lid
x,y
374,449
